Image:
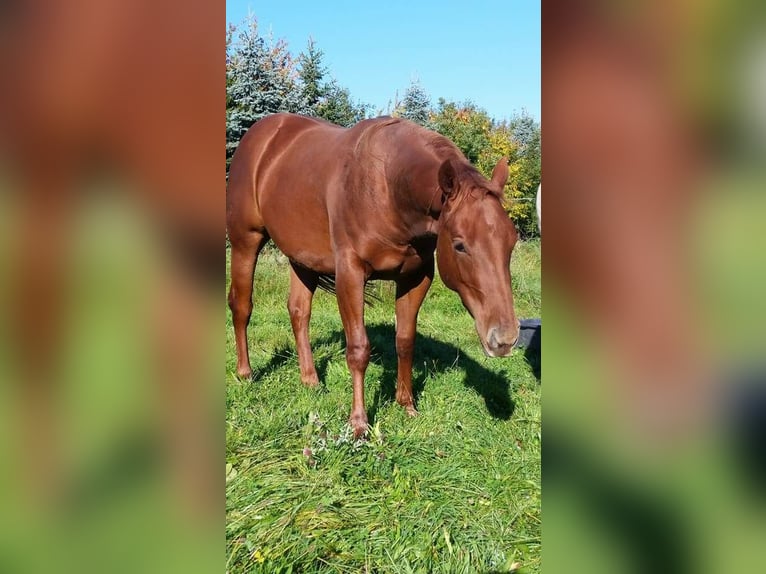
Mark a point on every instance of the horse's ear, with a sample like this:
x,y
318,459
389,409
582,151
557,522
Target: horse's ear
x,y
500,173
447,177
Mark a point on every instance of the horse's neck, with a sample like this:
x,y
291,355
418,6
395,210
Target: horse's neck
x,y
417,195
414,180
424,186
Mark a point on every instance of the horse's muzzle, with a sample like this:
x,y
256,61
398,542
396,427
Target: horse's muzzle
x,y
500,342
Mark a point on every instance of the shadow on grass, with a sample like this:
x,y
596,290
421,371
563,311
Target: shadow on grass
x,y
532,356
440,357
280,357
437,355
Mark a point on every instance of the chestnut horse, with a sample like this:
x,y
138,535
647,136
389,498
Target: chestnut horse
x,y
369,202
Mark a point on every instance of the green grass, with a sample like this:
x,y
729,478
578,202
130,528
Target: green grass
x,y
456,489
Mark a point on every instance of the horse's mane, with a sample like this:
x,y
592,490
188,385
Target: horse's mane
x,y
471,179
369,127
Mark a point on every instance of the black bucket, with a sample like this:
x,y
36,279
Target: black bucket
x,y
529,334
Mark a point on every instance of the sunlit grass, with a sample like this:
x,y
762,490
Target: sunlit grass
x,y
456,489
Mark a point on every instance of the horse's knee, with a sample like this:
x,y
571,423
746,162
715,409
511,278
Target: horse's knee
x,y
405,345
358,355
297,310
232,299
241,308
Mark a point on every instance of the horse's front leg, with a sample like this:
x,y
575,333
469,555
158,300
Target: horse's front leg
x,y
410,292
349,284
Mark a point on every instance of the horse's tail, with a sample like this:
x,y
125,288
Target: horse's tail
x,y
327,283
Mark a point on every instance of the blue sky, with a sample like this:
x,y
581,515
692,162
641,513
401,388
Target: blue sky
x,y
486,51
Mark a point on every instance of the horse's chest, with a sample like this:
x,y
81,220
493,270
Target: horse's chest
x,y
403,259
390,265
411,260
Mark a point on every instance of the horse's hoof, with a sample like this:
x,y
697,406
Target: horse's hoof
x,y
246,374
408,405
311,381
360,426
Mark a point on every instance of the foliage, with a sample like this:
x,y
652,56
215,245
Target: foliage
x,y
456,489
523,153
484,142
526,166
337,107
261,79
326,98
311,72
525,130
466,125
415,106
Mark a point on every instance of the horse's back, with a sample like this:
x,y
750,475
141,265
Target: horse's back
x,y
310,184
264,146
278,183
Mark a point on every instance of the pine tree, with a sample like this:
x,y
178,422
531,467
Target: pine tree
x,y
525,129
416,105
337,107
312,72
260,80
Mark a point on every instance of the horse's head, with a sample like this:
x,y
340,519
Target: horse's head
x,y
474,251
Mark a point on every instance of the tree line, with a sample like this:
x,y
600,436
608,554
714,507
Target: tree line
x,y
264,77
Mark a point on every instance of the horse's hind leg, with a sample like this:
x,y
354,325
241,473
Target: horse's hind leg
x,y
245,249
303,283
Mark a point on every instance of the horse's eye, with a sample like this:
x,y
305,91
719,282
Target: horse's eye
x,y
459,247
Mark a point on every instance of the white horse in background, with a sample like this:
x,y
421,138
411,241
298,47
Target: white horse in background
x,y
539,204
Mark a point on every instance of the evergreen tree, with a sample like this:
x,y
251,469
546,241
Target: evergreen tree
x,y
416,105
260,80
525,129
337,107
312,72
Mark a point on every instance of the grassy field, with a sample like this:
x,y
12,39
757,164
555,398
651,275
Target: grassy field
x,y
456,489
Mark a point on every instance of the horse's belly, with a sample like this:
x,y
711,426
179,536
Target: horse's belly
x,y
316,255
297,222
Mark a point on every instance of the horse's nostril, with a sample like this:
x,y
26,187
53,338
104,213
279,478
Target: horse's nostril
x,y
494,342
500,343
